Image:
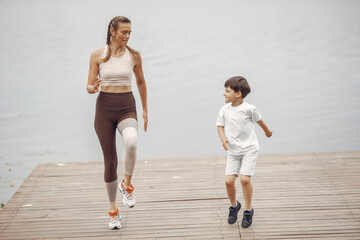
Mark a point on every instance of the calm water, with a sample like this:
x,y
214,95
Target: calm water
x,y
301,58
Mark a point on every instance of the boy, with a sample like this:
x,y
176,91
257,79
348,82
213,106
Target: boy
x,y
235,124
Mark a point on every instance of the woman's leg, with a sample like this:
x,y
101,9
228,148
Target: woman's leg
x,y
128,130
106,130
111,188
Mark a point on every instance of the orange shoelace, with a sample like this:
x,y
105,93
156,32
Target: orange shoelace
x,y
114,214
128,190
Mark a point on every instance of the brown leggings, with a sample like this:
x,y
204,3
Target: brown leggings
x,y
111,109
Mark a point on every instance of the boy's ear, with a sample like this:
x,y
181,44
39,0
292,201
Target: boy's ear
x,y
238,94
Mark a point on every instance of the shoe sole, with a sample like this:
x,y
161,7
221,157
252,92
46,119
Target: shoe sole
x,y
114,228
246,227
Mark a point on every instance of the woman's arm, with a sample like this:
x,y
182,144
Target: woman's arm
x,y
267,131
93,82
141,84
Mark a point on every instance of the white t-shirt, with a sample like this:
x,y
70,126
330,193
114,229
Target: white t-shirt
x,y
238,123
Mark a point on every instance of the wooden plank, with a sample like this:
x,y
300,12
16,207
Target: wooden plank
x,y
296,196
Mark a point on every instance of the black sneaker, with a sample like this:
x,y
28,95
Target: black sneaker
x,y
233,212
247,218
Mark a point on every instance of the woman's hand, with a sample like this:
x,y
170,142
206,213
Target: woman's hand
x,y
97,85
145,117
94,88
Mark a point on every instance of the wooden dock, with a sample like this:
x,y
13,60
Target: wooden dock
x,y
296,196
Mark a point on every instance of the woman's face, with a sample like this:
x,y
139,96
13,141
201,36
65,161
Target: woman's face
x,y
122,34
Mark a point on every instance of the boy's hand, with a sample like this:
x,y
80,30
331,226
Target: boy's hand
x,y
268,134
224,143
267,131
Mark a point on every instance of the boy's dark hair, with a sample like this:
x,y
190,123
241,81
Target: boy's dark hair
x,y
239,84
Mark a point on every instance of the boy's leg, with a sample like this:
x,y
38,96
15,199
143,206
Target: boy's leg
x,y
247,190
231,191
230,188
232,170
247,170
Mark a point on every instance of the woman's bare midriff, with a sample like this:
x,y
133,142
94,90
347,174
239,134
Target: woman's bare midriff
x,y
116,89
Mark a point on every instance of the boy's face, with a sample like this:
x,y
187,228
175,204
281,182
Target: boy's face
x,y
230,95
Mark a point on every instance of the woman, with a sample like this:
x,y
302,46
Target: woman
x,y
112,67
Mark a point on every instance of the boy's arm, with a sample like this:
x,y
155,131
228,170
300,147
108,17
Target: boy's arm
x,y
222,136
267,131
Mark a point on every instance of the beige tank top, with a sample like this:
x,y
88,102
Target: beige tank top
x,y
116,71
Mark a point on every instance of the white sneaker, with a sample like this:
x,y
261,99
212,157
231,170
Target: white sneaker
x,y
114,222
128,197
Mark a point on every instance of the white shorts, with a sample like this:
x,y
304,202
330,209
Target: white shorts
x,y
245,164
